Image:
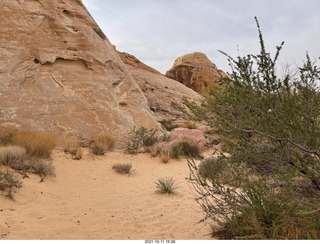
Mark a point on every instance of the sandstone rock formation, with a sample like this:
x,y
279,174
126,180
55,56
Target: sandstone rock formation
x,y
196,71
159,90
59,73
133,61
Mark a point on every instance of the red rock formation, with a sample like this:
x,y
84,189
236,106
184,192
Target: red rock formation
x,y
196,71
59,73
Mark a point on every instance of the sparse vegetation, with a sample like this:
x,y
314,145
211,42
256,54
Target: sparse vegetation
x,y
13,157
141,138
36,144
168,186
176,151
41,167
185,148
168,124
8,182
271,128
6,135
123,168
102,144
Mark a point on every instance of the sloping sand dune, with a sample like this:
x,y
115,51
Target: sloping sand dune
x,y
89,200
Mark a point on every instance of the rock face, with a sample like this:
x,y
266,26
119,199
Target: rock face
x,y
133,61
59,73
159,90
196,71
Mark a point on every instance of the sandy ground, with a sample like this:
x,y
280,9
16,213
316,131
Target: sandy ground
x,y
88,200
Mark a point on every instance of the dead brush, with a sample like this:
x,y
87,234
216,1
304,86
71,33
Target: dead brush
x,y
102,144
13,157
123,168
36,144
165,157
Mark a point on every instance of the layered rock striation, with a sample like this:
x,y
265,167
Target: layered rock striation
x,y
195,71
160,91
59,73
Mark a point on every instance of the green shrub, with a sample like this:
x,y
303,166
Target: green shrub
x,y
168,186
176,151
9,182
270,125
168,124
36,144
185,148
141,138
123,168
102,144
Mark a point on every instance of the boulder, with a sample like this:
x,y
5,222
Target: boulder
x,y
59,73
195,71
194,136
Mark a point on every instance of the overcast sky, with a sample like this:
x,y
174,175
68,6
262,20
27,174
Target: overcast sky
x,y
159,31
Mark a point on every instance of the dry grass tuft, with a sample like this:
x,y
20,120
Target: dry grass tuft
x,y
6,135
36,144
102,144
165,157
41,167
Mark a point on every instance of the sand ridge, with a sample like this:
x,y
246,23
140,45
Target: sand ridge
x,y
89,200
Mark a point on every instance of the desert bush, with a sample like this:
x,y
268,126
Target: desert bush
x,y
6,135
36,144
168,124
13,157
123,168
102,144
271,127
185,148
165,157
9,182
41,167
141,138
168,186
176,151
189,125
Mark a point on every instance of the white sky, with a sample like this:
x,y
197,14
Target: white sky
x,y
159,31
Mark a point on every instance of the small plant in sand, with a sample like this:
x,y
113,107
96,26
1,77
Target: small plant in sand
x,y
8,182
141,138
165,157
168,186
36,144
102,144
123,168
154,151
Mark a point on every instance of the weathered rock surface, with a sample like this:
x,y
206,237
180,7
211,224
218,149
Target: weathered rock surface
x,y
59,73
196,71
133,61
159,90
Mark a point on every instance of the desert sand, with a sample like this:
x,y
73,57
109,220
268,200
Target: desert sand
x,y
89,200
